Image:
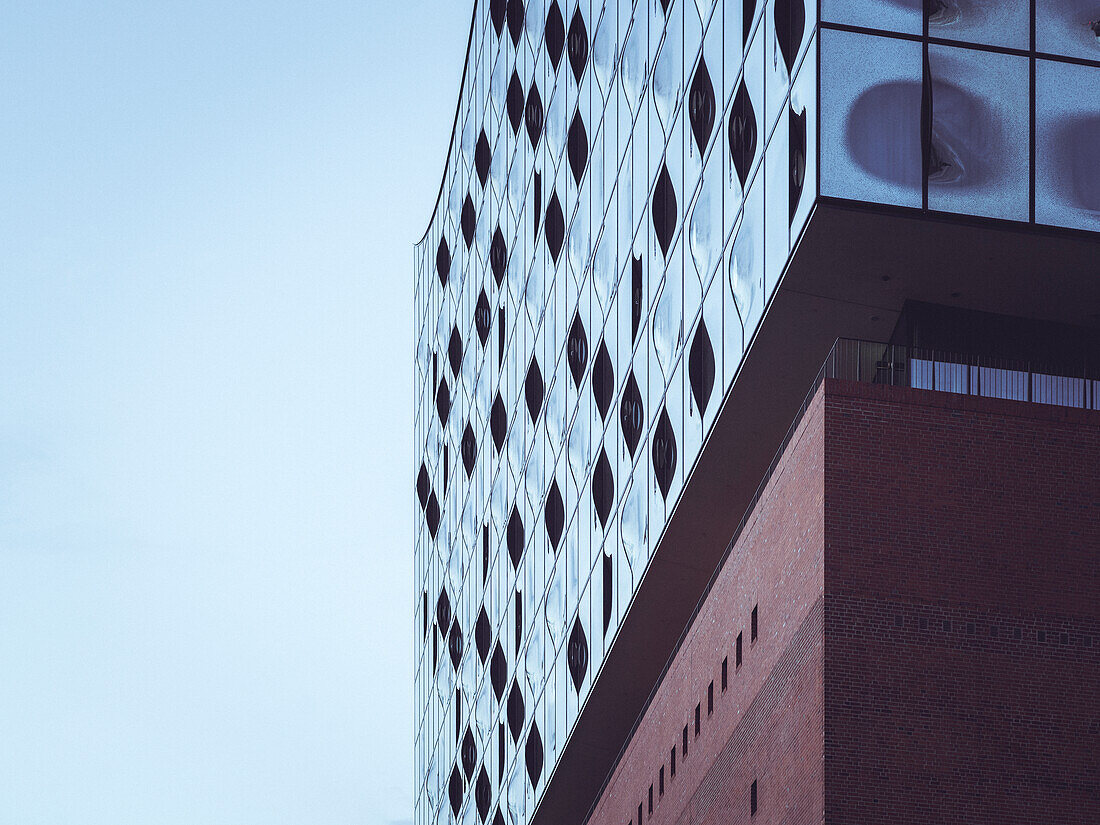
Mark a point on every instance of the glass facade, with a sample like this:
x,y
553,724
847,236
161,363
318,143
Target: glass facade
x,y
625,186
968,108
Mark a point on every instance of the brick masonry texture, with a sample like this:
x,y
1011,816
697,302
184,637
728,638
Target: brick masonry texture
x,y
925,570
962,609
768,724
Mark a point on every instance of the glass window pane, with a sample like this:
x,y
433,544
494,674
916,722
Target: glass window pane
x,y
1004,23
889,15
870,119
1066,27
979,133
746,261
804,106
1067,132
777,241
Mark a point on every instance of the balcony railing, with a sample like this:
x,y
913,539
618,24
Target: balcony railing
x,y
930,369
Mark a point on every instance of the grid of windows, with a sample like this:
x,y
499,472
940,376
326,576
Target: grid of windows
x,y
990,110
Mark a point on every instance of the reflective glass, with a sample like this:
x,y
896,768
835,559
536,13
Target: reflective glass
x,y
777,81
1005,23
733,49
776,207
742,132
870,120
788,26
803,104
745,266
980,112
1068,27
889,15
1067,134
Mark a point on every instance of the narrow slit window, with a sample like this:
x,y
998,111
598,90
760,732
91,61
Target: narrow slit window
x,y
725,672
519,621
753,623
697,728
672,763
458,715
661,782
737,652
752,799
484,553
710,698
651,800
685,753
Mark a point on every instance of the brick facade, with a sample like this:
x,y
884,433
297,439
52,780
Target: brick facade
x,y
924,569
962,609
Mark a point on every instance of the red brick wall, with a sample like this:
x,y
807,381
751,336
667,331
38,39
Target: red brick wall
x,y
961,609
926,569
753,733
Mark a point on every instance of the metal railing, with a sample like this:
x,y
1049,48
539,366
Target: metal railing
x,y
990,377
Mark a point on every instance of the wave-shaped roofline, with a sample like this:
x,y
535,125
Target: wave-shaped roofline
x,y
454,126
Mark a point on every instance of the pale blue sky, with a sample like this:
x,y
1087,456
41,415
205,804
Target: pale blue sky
x,y
207,213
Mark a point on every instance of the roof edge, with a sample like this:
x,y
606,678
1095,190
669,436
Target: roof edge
x,y
454,125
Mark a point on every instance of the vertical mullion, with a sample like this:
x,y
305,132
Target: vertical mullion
x,y
1031,123
926,106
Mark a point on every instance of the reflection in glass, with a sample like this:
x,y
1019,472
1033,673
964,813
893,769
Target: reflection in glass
x,y
517,789
744,133
705,233
580,238
777,238
804,100
1067,134
746,263
635,66
604,51
980,110
557,127
633,526
991,22
605,270
1068,27
889,15
796,163
668,74
668,322
870,120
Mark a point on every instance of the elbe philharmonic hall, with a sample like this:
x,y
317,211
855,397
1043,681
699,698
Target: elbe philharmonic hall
x,y
757,417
